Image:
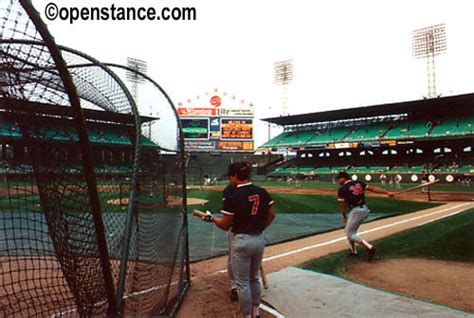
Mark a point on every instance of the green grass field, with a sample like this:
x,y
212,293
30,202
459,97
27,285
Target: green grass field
x,y
448,239
31,202
314,204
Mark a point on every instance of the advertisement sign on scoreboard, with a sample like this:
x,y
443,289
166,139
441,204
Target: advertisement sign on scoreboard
x,y
196,111
234,145
235,112
215,124
232,128
200,145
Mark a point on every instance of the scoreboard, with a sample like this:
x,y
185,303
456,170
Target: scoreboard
x,y
195,128
236,128
217,126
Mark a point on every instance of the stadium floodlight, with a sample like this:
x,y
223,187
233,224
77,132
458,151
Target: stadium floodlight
x,y
283,75
427,43
138,66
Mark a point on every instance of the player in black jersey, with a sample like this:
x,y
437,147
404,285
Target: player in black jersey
x,y
247,212
351,196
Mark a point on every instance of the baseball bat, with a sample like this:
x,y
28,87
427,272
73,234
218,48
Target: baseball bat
x,y
264,277
428,184
198,213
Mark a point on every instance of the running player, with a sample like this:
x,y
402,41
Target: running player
x,y
248,211
351,195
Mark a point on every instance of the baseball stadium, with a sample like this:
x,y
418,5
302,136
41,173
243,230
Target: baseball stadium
x,y
392,146
99,195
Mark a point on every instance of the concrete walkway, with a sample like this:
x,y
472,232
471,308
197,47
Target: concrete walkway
x,y
299,293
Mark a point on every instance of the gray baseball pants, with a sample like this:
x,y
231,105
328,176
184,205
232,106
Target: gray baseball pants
x,y
356,217
247,254
230,273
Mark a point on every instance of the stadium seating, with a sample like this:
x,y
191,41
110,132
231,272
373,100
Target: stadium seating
x,y
372,132
328,136
57,132
405,130
297,138
401,130
147,142
275,141
453,127
9,130
110,135
105,135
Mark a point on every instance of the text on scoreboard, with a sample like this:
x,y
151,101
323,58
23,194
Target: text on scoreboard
x,y
232,128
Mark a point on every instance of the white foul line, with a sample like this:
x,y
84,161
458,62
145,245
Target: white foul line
x,y
271,311
441,217
367,231
342,238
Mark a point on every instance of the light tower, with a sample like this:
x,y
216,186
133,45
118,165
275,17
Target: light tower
x,y
283,75
138,66
427,43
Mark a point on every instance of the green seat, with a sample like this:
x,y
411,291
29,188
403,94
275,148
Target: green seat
x,y
9,129
371,132
453,127
328,136
296,138
406,130
273,142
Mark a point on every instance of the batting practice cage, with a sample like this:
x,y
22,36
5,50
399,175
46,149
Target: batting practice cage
x,y
93,194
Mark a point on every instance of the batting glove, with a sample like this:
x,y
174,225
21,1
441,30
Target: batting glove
x,y
208,217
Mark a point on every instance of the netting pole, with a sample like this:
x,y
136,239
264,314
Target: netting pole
x,y
128,224
85,148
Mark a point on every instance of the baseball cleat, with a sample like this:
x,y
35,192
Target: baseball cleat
x,y
233,295
350,254
372,252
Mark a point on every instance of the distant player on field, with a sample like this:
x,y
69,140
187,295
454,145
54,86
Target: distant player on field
x,y
351,196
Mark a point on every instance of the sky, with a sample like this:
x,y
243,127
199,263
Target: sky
x,y
345,53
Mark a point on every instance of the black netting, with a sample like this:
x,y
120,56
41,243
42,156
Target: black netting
x,y
88,203
159,244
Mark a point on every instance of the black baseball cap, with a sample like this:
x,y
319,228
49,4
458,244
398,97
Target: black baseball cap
x,y
241,169
343,174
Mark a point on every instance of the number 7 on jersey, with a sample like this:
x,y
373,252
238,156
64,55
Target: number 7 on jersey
x,y
256,201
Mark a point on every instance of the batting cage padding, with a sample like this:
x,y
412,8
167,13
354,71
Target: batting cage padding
x,y
93,219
